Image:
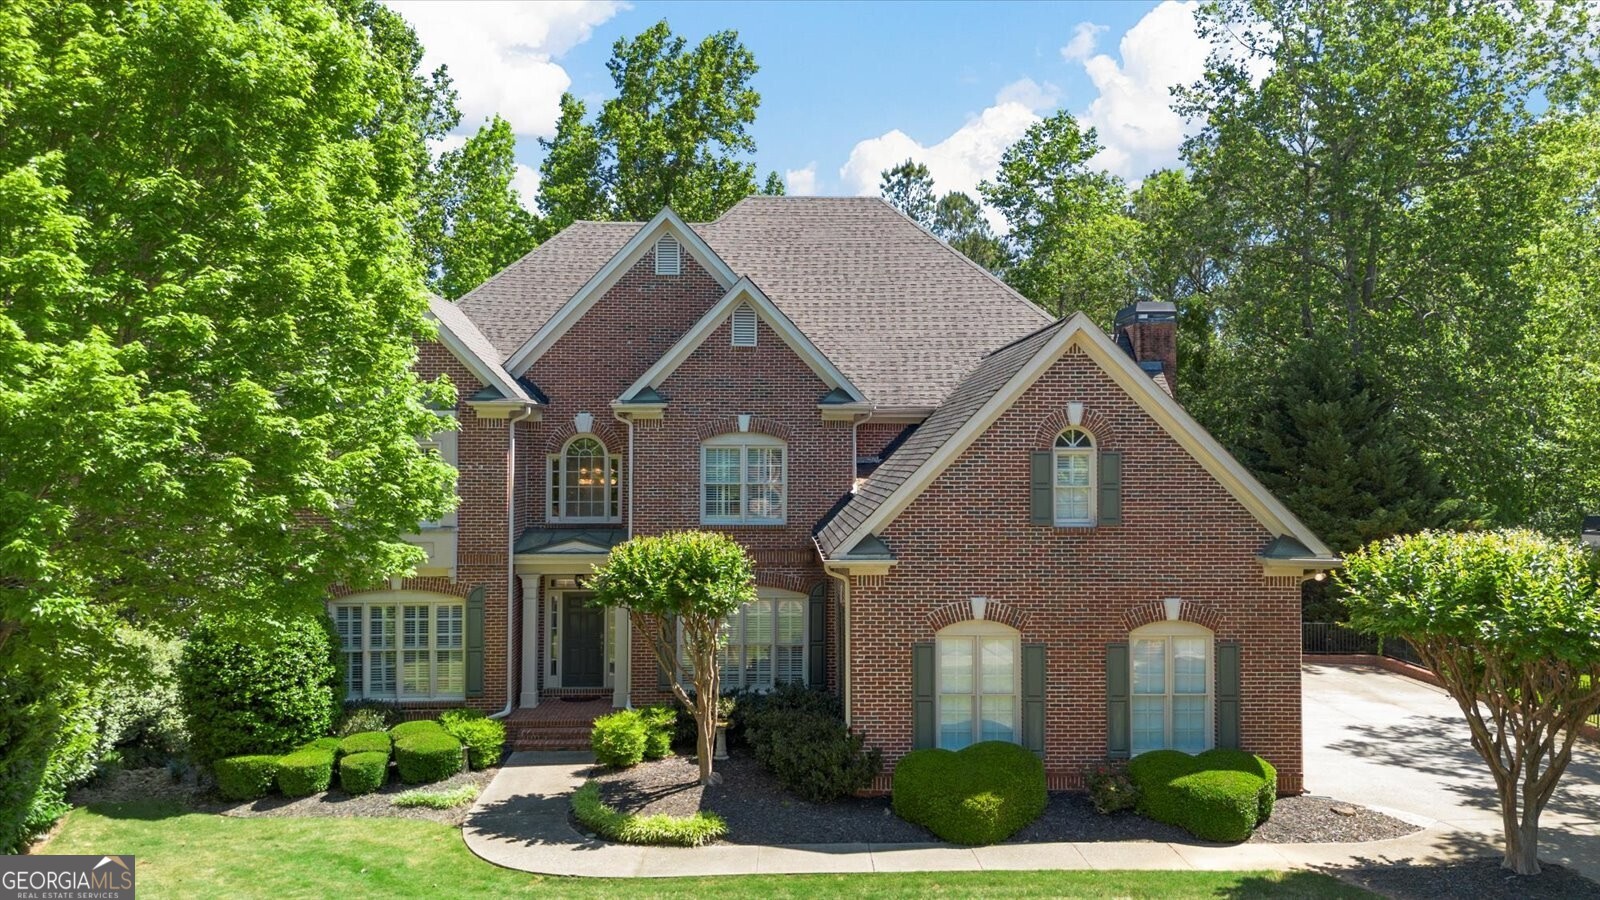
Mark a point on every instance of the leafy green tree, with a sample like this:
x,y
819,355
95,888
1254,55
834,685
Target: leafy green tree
x,y
696,580
1506,620
1074,243
208,311
471,223
773,186
675,134
959,220
908,187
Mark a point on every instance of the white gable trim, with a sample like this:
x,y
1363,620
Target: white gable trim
x,y
644,241
494,376
745,291
1166,411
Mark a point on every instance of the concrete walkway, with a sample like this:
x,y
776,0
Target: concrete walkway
x,y
1371,737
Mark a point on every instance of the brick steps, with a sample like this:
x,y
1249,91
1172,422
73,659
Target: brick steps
x,y
556,724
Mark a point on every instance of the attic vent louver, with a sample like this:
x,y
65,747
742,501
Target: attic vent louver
x,y
744,326
669,256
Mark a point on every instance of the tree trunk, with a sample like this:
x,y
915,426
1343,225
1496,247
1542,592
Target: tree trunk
x,y
707,736
1522,832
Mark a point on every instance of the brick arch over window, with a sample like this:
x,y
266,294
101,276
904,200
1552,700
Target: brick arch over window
x,y
791,582
993,611
428,584
1156,611
758,425
1097,423
600,431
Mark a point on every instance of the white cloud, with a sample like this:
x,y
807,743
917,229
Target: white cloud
x,y
526,183
957,163
801,182
440,146
1133,112
502,55
1085,35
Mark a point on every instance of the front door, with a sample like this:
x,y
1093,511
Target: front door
x,y
583,635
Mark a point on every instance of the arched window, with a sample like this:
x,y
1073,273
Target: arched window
x,y
978,668
1074,483
743,480
1171,686
585,484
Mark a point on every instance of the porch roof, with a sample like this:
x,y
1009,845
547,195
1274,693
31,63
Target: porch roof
x,y
556,541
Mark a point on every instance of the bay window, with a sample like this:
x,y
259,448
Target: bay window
x,y
403,647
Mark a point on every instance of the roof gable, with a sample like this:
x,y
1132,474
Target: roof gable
x,y
644,240
745,291
464,341
994,386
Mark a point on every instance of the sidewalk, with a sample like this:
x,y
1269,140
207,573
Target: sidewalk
x,y
520,822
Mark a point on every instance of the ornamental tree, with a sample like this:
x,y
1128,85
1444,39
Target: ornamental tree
x,y
689,582
1509,621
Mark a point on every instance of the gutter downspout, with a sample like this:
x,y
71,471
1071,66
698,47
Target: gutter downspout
x,y
844,629
511,560
627,621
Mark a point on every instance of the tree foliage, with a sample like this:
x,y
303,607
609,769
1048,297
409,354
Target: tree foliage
x,y
691,581
955,218
676,134
908,187
471,223
1507,621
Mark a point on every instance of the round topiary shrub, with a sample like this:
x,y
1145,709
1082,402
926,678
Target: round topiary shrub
x,y
305,772
245,777
254,687
1219,795
366,742
980,795
484,738
619,739
363,773
416,726
427,757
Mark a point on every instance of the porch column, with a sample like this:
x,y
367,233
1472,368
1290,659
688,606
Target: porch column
x,y
532,586
622,659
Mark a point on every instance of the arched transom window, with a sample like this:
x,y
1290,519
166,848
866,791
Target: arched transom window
x,y
979,672
1171,686
1074,481
585,483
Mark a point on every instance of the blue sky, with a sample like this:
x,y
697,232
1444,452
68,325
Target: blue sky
x,y
850,88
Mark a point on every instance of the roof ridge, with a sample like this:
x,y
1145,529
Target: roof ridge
x,y
1032,334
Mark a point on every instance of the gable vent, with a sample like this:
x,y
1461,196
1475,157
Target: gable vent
x,y
669,256
744,326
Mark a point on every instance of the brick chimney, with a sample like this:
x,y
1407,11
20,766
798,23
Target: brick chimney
x,y
1148,332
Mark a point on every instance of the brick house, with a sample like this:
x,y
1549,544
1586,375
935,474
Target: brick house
x,y
970,521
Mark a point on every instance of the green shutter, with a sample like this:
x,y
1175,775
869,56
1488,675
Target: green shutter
x,y
816,651
922,708
1044,493
475,642
1110,489
1228,694
1033,697
1118,743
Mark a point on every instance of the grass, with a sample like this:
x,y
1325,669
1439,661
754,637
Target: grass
x,y
185,854
438,799
659,830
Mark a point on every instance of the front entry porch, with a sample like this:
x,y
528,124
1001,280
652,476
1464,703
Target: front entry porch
x,y
557,723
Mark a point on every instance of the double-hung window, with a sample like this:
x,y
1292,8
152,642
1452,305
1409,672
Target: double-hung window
x,y
743,480
1171,680
408,647
979,677
763,643
1074,478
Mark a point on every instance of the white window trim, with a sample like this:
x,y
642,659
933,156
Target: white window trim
x,y
744,314
1091,453
399,600
744,442
1166,631
555,605
445,442
556,489
772,596
973,630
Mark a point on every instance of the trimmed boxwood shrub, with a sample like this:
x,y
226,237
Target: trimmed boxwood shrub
x,y
427,757
619,739
305,772
258,686
485,738
245,777
816,756
979,795
363,773
366,742
416,726
326,744
1219,795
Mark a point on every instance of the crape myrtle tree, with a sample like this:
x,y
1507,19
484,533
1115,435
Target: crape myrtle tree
x,y
688,583
1509,621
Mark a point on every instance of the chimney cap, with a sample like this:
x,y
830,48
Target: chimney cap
x,y
1147,311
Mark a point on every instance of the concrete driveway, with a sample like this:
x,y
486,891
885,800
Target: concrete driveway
x,y
1397,744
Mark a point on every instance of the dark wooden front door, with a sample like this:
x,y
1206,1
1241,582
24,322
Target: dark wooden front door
x,y
583,635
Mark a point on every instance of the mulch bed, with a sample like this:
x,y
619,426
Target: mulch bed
x,y
758,811
156,784
1481,879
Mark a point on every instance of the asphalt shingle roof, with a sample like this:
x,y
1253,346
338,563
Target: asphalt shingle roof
x,y
969,396
895,309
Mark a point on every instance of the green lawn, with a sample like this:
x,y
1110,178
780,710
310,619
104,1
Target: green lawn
x,y
195,854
